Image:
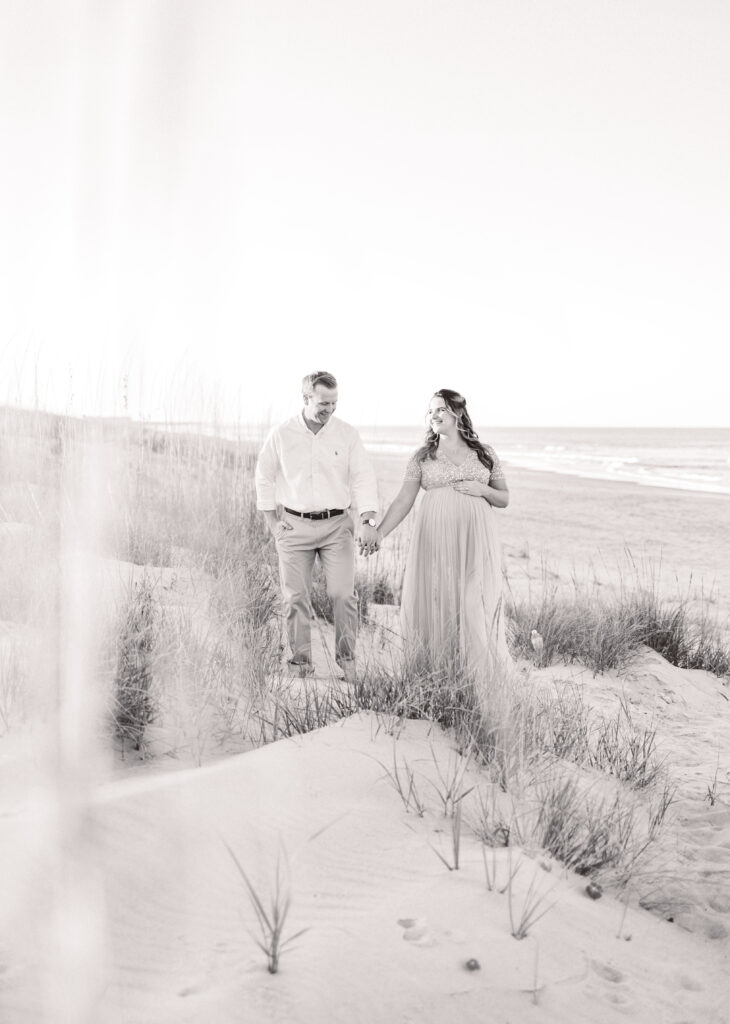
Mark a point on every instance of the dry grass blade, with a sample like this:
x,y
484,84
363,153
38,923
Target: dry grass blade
x,y
711,795
450,787
492,826
455,841
491,870
490,873
409,795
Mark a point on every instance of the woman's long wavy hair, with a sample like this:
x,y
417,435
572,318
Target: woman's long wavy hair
x,y
456,404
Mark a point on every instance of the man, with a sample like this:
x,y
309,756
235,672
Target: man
x,y
315,466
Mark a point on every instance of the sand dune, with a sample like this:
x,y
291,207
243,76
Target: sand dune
x,y
390,930
691,714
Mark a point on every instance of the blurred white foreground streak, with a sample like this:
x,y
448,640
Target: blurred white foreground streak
x,y
51,891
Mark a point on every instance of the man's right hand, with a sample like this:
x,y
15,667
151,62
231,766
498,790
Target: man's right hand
x,y
276,526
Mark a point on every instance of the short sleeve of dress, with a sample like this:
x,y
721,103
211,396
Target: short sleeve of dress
x,y
413,469
497,472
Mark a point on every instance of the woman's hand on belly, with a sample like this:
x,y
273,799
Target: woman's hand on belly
x,y
471,487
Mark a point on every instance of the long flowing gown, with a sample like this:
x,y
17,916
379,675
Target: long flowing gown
x,y
451,608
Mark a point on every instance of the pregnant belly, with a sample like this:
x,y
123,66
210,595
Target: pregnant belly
x,y
445,501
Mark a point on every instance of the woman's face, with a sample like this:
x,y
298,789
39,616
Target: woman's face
x,y
439,417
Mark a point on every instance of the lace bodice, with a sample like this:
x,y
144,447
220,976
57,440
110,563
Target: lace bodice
x,y
442,472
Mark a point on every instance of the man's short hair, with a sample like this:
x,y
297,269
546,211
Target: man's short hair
x,y
311,381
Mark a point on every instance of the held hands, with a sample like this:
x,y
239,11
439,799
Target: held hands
x,y
472,487
368,540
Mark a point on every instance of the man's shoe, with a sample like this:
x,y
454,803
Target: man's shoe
x,y
301,668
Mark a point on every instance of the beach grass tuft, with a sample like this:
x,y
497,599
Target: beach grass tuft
x,y
534,906
605,630
134,706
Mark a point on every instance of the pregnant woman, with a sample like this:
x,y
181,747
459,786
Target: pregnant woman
x,y
451,609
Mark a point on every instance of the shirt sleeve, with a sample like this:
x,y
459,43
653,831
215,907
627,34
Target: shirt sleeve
x,y
497,472
363,483
413,469
267,466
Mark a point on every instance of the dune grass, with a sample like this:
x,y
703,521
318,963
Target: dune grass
x,y
605,630
133,705
371,587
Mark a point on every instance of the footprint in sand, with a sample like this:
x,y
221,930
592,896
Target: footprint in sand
x,y
607,972
720,903
617,994
617,998
415,929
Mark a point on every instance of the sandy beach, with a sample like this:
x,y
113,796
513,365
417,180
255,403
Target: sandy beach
x,y
584,879
168,934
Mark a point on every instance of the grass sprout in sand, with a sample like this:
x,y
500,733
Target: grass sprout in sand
x,y
450,785
405,787
534,904
455,841
711,795
271,919
491,870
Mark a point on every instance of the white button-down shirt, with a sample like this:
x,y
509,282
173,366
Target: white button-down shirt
x,y
311,472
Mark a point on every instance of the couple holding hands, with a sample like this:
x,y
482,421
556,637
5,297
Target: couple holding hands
x,y
315,466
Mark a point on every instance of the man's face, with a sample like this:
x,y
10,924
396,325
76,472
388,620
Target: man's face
x,y
320,406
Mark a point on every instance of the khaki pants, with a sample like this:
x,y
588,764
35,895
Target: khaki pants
x,y
333,540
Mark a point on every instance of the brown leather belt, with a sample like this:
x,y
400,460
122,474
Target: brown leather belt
x,y
328,513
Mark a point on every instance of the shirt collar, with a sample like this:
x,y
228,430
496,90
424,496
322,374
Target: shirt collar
x,y
303,424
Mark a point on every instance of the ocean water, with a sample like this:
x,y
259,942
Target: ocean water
x,y
685,459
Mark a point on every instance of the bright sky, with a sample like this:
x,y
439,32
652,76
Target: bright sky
x,y
202,200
